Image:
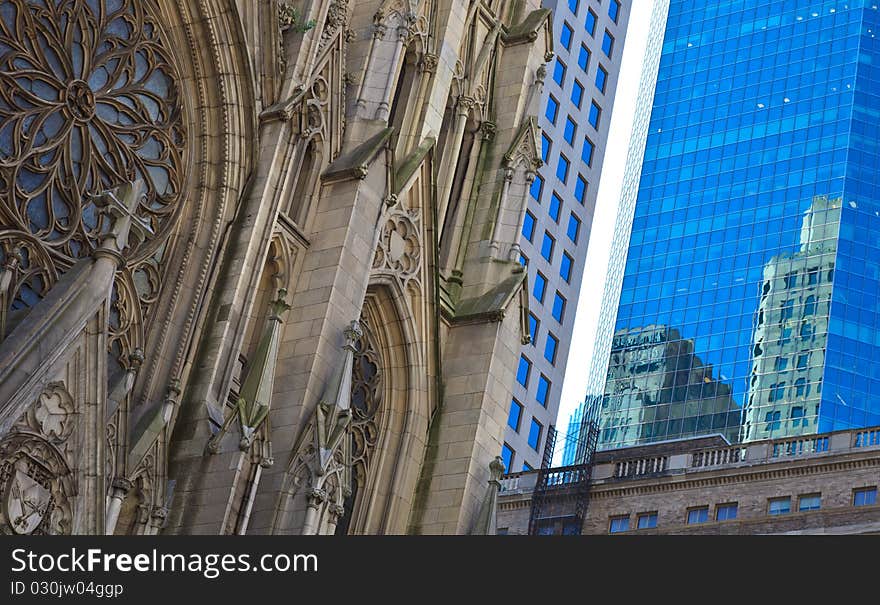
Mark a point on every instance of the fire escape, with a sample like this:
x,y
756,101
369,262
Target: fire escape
x,y
561,494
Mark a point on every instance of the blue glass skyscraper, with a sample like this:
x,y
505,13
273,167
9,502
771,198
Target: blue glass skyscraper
x,y
749,300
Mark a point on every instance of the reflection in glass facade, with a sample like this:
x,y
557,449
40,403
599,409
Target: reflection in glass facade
x,y
749,302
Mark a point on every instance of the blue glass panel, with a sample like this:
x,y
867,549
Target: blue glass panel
x,y
590,23
574,228
550,347
570,129
595,112
601,78
607,43
559,72
528,229
552,109
583,59
539,287
555,206
614,10
543,390
565,267
580,188
565,36
547,247
754,251
558,307
507,457
515,415
522,372
577,93
534,434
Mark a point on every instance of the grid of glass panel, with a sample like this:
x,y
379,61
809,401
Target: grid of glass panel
x,y
561,203
749,304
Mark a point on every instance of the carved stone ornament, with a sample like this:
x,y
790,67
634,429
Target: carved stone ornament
x,y
35,487
53,413
400,244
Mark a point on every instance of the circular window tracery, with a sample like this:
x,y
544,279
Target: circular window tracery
x,y
88,100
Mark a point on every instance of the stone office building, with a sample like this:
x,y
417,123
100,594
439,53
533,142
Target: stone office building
x,y
819,484
256,268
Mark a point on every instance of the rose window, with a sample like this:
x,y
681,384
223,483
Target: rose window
x,y
88,100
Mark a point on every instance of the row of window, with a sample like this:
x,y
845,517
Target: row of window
x,y
508,454
514,418
613,12
540,288
864,496
573,229
523,373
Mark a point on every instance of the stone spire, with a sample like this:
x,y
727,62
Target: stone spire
x,y
255,397
486,519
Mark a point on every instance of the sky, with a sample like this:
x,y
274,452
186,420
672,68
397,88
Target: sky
x,y
574,386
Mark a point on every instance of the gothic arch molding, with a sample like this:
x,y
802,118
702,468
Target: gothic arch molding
x,y
384,504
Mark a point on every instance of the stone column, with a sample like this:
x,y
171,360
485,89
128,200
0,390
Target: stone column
x,y
120,487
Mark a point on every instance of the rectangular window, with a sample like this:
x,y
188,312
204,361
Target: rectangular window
x,y
614,10
523,371
790,280
536,188
570,130
565,267
618,524
787,310
565,36
562,168
601,79
587,153
725,512
809,502
607,44
555,207
813,277
546,143
534,322
552,109
515,415
559,72
528,229
540,287
558,307
550,348
780,363
547,247
698,515
574,228
523,260
802,361
590,23
543,390
535,434
580,189
577,93
777,392
865,496
573,6
797,416
772,421
527,467
595,112
507,457
647,520
779,506
584,59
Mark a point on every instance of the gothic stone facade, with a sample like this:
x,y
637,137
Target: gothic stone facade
x,y
258,261
826,480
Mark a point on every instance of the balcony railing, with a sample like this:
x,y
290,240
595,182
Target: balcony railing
x,y
641,466
799,447
717,457
867,438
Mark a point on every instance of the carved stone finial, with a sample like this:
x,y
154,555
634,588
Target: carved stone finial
x,y
541,73
353,333
496,468
136,359
488,130
120,205
279,305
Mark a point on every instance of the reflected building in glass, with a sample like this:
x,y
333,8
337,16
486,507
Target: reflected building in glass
x,y
791,331
754,245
